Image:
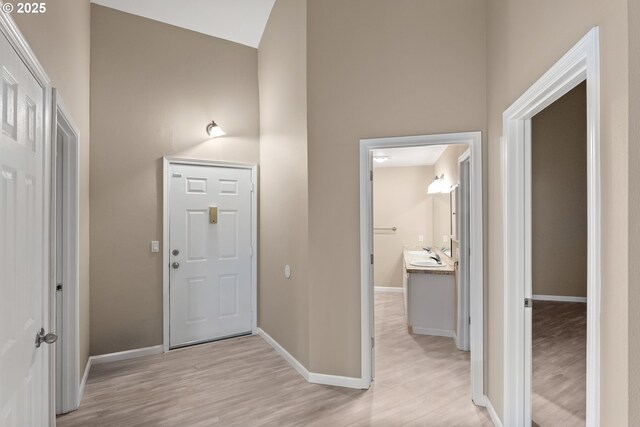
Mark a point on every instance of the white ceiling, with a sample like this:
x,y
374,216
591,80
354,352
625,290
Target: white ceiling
x,y
241,21
409,156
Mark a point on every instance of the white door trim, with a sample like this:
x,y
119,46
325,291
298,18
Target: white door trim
x,y
19,43
71,247
580,63
474,139
463,300
167,162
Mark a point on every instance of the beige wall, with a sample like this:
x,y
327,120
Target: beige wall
x,y
282,60
154,88
400,200
559,196
375,68
524,40
446,165
60,40
634,212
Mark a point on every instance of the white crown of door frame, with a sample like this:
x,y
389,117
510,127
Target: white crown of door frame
x,y
167,162
580,63
474,139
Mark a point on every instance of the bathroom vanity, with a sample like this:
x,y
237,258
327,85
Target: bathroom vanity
x,y
429,293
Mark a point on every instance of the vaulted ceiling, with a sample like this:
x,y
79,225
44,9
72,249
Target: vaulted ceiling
x,y
240,21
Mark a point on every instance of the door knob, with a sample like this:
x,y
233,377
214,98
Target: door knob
x,y
175,265
175,252
49,338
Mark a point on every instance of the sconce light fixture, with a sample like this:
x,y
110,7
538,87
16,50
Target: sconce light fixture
x,y
214,131
437,185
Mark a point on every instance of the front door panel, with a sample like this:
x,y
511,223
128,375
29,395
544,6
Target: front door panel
x,y
210,253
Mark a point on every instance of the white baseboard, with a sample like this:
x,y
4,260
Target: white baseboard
x,y
432,331
495,419
558,298
285,354
389,289
311,377
83,382
124,355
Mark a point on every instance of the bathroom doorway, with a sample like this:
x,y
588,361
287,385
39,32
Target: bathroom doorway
x,y
430,240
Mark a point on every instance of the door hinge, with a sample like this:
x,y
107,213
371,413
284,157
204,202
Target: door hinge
x,y
373,342
370,175
469,320
371,259
58,287
251,251
252,187
528,303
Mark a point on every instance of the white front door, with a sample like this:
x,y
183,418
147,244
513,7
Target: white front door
x,y
210,283
24,369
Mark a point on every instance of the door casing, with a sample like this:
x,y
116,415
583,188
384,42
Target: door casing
x,y
474,139
578,64
69,334
167,162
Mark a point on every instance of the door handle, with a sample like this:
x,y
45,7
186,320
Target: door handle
x,y
49,338
175,265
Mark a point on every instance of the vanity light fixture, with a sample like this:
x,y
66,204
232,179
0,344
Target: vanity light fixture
x,y
380,159
437,185
214,131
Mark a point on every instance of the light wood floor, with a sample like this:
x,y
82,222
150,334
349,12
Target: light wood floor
x,y
420,381
559,363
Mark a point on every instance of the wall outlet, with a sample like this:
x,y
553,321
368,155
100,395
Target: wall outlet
x,y
155,246
420,238
445,238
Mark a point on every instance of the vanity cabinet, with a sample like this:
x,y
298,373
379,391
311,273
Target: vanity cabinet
x,y
429,295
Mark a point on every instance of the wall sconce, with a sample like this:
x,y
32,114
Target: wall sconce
x,y
437,185
214,131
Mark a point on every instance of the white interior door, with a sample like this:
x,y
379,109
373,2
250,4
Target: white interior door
x,y
210,253
24,369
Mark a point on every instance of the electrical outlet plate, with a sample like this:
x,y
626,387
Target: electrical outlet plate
x,y
155,246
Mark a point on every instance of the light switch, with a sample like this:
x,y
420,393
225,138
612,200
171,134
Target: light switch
x,y
155,246
420,238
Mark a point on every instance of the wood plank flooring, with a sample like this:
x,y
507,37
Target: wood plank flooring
x,y
559,363
420,381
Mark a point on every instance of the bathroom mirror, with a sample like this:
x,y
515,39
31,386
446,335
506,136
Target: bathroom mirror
x,y
442,222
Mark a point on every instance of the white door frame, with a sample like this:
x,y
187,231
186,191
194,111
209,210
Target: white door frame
x,y
167,162
462,210
580,63
70,333
474,139
19,43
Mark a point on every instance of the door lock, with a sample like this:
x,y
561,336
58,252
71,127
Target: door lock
x,y
175,265
49,338
175,252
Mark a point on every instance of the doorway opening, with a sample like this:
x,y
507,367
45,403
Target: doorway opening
x,y
579,66
559,260
65,207
397,249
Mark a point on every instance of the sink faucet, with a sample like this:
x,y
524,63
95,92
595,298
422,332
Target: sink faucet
x,y
437,258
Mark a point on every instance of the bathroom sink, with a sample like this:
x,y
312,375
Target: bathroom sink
x,y
426,263
423,253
